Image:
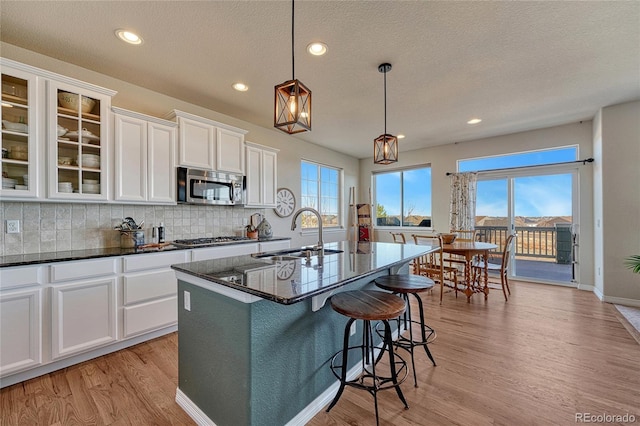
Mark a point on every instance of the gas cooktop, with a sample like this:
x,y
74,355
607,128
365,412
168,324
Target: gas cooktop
x,y
203,242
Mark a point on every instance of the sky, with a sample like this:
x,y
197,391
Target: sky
x,y
535,196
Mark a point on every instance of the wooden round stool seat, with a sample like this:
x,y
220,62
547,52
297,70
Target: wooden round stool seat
x,y
368,305
405,283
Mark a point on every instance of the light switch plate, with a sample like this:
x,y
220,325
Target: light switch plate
x,y
13,226
187,300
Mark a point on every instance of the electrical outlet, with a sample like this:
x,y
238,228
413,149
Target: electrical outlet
x,y
187,300
13,226
352,331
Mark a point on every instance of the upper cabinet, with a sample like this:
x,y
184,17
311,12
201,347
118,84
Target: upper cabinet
x,y
21,123
144,158
262,175
207,144
78,134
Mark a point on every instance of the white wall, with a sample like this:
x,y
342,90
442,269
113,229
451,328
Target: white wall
x,y
618,201
443,159
292,149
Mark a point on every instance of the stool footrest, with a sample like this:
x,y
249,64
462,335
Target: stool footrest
x,y
366,379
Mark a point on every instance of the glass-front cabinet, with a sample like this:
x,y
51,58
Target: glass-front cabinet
x,y
19,133
78,133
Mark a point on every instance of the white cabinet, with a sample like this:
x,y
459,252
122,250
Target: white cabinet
x,y
21,125
144,158
20,330
83,316
230,152
262,175
78,158
224,251
150,292
274,245
83,306
207,144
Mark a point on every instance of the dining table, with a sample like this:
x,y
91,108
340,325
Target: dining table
x,y
469,250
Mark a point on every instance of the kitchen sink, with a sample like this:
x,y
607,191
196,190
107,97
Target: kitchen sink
x,y
293,254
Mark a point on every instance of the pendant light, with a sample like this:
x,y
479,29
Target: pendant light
x,y
385,146
293,99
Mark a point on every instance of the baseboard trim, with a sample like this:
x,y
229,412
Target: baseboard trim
x,y
52,366
192,410
621,301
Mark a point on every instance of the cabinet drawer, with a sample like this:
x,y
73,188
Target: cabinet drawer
x,y
140,262
275,245
226,251
82,269
19,276
149,316
151,285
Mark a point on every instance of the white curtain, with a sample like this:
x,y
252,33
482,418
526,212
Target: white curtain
x,y
462,209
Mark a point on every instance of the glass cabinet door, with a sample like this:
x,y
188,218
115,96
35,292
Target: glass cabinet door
x,y
79,131
19,178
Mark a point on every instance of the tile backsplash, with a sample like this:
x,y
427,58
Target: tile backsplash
x,y
47,227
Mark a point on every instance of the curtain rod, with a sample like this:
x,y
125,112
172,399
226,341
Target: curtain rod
x,y
585,161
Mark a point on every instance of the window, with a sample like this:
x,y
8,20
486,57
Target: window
x,y
403,197
320,189
519,159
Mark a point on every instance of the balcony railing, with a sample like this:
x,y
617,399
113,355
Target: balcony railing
x,y
536,242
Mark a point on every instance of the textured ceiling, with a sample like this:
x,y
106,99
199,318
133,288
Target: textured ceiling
x,y
517,65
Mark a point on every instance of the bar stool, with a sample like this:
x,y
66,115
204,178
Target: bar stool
x,y
405,285
369,306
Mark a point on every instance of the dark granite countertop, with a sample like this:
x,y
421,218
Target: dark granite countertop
x,y
291,281
67,255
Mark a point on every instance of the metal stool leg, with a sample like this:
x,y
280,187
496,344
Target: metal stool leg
x,y
343,375
392,365
422,326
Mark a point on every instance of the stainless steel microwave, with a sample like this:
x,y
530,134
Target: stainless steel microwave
x,y
208,187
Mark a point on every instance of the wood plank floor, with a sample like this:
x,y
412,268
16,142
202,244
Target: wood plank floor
x,y
547,354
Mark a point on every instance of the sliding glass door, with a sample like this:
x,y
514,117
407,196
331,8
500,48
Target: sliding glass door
x,y
539,209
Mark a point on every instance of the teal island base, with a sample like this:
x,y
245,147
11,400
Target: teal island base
x,y
260,363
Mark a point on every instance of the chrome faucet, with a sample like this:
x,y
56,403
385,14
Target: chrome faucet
x,y
320,246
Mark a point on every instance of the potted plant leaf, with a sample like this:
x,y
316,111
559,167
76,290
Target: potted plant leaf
x,y
633,263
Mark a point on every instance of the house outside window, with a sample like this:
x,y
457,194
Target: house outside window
x,y
403,197
320,190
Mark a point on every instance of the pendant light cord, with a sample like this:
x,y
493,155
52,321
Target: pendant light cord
x,y
293,58
385,102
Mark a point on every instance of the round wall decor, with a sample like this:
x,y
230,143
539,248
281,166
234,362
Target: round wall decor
x,y
285,202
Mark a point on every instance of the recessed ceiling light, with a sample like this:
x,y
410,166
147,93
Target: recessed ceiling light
x,y
317,48
400,136
128,36
474,121
240,87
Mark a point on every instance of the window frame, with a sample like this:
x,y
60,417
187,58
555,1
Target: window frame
x,y
340,214
375,198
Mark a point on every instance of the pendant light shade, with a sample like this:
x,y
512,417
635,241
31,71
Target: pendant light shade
x,y
385,146
292,111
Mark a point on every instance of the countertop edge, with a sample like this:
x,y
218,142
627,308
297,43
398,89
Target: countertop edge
x,y
85,254
208,281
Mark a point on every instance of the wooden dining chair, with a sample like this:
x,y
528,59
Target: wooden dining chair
x,y
462,235
501,269
431,265
398,237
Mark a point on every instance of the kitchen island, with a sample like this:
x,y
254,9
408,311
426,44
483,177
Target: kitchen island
x,y
255,335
